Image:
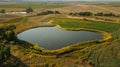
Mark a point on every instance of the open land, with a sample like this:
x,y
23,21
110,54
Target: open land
x,y
86,54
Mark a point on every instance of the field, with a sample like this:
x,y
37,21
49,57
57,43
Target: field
x,y
104,53
93,7
23,5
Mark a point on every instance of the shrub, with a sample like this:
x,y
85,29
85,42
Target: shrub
x,y
28,10
85,13
99,14
2,11
48,12
4,53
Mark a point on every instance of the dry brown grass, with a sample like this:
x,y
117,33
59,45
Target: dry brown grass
x,y
81,7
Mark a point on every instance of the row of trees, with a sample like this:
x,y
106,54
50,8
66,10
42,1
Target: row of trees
x,y
49,12
106,14
97,14
82,13
28,10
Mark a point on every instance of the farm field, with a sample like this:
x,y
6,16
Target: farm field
x,y
96,53
12,6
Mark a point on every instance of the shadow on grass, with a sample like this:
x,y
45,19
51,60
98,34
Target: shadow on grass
x,y
13,62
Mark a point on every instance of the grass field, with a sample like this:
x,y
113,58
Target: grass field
x,y
76,23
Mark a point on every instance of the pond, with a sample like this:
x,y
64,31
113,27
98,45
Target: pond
x,y
53,38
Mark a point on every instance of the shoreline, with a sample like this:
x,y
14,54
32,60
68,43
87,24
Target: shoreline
x,y
106,37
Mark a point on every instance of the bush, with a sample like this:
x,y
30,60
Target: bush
x,y
109,14
70,13
85,13
57,12
99,14
106,14
4,53
2,11
48,12
7,33
28,10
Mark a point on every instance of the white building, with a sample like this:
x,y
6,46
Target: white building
x,y
16,13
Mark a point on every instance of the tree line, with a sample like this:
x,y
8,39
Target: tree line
x,y
48,12
28,10
92,14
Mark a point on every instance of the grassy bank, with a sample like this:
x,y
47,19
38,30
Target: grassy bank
x,y
105,54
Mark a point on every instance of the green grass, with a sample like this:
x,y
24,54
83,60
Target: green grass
x,y
111,27
76,23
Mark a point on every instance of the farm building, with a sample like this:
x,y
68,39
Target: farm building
x,y
16,13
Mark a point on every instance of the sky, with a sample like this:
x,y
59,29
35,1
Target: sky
x,y
72,0
59,0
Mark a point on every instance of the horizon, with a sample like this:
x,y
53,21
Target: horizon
x,y
61,0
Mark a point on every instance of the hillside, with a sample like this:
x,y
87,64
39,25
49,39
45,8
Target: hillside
x,y
65,16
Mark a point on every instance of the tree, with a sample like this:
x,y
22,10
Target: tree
x,y
85,13
49,12
99,14
7,33
10,35
109,14
4,53
2,11
57,12
28,10
70,13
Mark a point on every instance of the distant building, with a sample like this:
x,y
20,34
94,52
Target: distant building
x,y
16,13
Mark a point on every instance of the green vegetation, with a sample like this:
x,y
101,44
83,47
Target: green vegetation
x,y
7,33
4,53
97,14
18,53
2,11
89,24
82,14
103,55
7,37
95,53
48,12
28,10
106,14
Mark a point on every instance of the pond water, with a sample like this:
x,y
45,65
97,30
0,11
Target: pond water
x,y
54,38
